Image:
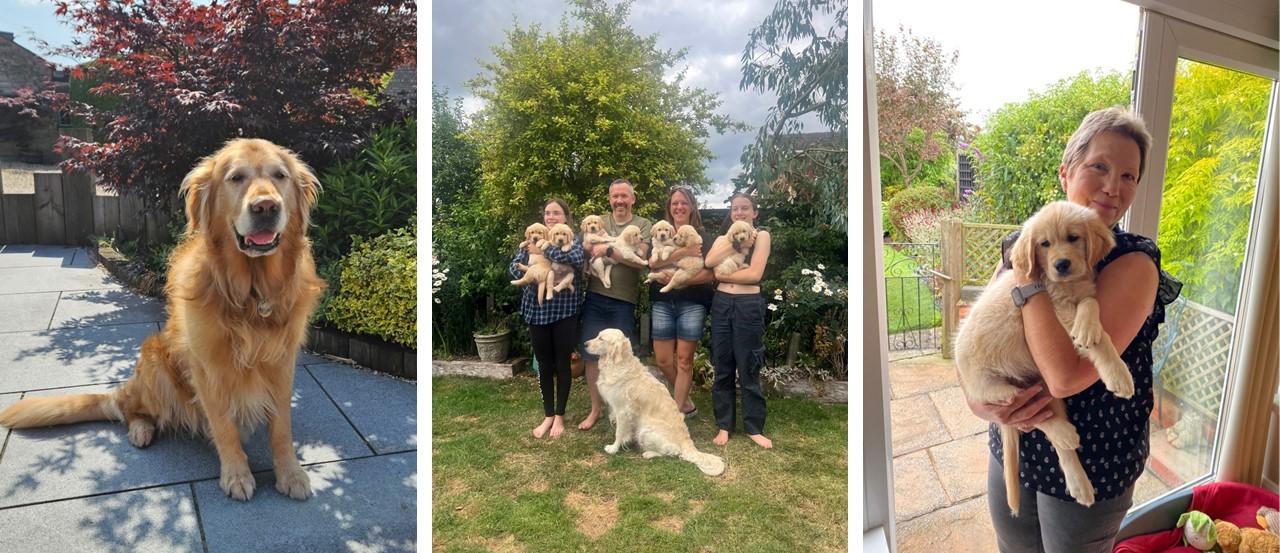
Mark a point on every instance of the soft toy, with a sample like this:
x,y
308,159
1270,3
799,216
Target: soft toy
x,y
1234,539
1198,530
1269,520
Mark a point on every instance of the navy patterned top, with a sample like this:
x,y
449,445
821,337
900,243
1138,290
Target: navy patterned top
x,y
564,304
1113,431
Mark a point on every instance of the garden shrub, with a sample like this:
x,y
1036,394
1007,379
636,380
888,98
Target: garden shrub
x,y
378,288
913,199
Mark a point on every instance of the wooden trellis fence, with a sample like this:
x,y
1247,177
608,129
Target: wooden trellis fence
x,y
970,254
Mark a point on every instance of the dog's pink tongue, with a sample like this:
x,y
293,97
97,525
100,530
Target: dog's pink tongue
x,y
260,238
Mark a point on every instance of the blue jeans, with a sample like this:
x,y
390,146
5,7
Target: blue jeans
x,y
681,319
601,312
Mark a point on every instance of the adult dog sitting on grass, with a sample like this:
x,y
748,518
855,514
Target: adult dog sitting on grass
x,y
640,408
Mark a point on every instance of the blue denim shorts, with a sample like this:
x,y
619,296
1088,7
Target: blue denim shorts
x,y
601,312
681,319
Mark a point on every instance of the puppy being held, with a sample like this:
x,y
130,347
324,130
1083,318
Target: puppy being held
x,y
1064,242
743,238
686,267
626,244
663,239
640,408
538,269
561,275
241,286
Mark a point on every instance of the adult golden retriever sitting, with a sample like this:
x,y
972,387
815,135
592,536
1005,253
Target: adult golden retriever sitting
x,y
640,408
1066,241
241,286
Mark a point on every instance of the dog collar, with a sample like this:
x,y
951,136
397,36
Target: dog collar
x,y
1022,293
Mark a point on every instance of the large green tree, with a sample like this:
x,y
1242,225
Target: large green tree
x,y
920,121
1216,130
801,53
1020,148
566,113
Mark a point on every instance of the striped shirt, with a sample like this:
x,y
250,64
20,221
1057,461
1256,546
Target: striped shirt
x,y
565,303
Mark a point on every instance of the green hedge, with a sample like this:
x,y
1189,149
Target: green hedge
x,y
378,293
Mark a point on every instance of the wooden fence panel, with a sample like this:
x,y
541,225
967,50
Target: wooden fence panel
x,y
78,194
132,224
20,218
50,212
106,215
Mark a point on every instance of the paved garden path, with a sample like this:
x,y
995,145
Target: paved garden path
x,y
66,326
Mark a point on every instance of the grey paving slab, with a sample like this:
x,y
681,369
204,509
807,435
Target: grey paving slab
x,y
70,356
384,409
27,312
157,520
106,307
365,504
43,256
75,460
55,279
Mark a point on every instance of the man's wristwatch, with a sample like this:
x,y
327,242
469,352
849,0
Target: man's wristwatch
x,y
609,252
1022,293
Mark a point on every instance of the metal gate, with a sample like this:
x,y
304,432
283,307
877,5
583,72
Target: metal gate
x,y
913,289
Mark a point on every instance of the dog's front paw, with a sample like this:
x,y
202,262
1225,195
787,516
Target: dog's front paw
x,y
1080,489
611,449
1121,384
293,482
1086,335
237,482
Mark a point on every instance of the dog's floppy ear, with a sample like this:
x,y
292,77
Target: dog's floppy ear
x,y
199,197
1023,252
1099,241
305,179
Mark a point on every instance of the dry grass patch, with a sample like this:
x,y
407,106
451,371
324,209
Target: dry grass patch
x,y
505,544
596,515
673,524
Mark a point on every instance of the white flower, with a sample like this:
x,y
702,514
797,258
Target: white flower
x,y
821,267
806,272
777,297
773,307
817,288
778,291
827,291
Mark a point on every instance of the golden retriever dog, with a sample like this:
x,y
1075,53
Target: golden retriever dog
x,y
663,236
241,286
743,237
686,267
1066,241
538,269
561,275
626,243
640,408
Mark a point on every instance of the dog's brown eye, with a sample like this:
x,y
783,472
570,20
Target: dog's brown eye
x,y
1072,238
1044,244
279,175
237,178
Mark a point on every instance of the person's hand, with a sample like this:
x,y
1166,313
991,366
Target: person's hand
x,y
599,250
533,248
662,277
1023,411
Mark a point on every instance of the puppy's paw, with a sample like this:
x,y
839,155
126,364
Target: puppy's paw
x,y
1080,488
237,482
141,433
1120,383
1086,335
611,449
293,482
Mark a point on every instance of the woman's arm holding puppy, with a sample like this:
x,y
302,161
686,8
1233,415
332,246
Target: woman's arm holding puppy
x,y
575,256
1126,294
521,258
759,258
720,249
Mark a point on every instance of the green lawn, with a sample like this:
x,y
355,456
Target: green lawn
x,y
496,488
910,303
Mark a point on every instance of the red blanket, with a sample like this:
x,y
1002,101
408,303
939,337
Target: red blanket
x,y
1229,501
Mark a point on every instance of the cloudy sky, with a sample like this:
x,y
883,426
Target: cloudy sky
x,y
715,33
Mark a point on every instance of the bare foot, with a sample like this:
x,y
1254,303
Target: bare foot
x,y
589,422
721,438
557,426
689,408
542,428
761,441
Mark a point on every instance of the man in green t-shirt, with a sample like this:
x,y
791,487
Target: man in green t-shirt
x,y
613,307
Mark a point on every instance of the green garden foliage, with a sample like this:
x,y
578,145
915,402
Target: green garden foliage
x,y
378,292
1219,117
911,200
1022,142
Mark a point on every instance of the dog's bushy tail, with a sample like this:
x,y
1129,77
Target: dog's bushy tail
x,y
51,411
1009,435
709,464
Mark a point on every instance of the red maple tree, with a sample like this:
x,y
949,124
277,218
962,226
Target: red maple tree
x,y
189,77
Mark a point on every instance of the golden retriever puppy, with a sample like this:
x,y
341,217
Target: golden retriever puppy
x,y
561,275
538,269
743,237
626,243
1066,241
241,286
663,238
686,267
641,409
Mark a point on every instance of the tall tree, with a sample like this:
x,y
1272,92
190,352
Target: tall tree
x,y
566,113
1022,142
455,163
801,53
919,120
192,76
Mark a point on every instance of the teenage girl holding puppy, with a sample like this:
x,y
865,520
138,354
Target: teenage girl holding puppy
x,y
737,331
553,325
1101,168
680,316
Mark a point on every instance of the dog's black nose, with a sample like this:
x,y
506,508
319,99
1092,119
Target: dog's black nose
x,y
1063,266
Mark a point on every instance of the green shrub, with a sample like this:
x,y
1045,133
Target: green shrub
x,y
911,200
378,292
